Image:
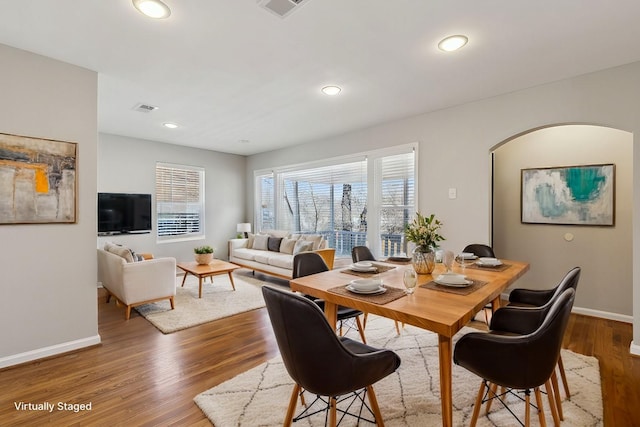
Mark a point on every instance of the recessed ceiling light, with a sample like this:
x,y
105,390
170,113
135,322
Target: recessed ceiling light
x,y
331,90
170,125
451,43
244,141
152,8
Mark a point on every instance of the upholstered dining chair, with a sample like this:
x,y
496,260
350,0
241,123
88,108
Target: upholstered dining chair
x,y
363,253
322,363
517,362
307,263
480,250
524,299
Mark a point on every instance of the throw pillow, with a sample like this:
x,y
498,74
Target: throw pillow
x,y
122,251
316,239
287,245
273,243
261,242
302,246
250,240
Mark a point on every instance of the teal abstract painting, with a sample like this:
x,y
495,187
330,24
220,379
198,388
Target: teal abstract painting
x,y
572,195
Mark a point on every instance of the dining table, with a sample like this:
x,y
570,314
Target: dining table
x,y
434,307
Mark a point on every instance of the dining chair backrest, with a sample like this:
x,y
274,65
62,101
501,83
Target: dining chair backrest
x,y
540,297
361,253
480,250
313,354
307,263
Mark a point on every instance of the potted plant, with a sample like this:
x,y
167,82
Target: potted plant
x,y
424,232
204,254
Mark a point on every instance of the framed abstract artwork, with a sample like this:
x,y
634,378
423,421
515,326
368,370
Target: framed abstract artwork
x,y
37,180
569,195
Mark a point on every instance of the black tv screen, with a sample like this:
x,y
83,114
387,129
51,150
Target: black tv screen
x,y
124,213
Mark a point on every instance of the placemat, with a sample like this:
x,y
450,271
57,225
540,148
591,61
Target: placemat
x,y
392,294
477,284
501,267
379,269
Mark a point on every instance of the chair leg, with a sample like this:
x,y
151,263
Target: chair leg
x,y
332,412
543,422
564,377
493,390
172,302
374,406
364,319
556,394
293,400
476,406
527,408
360,329
552,403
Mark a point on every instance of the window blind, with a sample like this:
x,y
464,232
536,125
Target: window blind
x,y
179,201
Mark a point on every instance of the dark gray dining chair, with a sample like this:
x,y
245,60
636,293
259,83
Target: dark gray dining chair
x,y
322,363
518,361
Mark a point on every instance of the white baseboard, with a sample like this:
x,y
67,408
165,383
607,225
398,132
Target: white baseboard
x,y
603,314
53,350
634,349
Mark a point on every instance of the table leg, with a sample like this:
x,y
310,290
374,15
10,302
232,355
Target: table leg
x,y
331,311
199,286
445,355
233,285
495,304
184,278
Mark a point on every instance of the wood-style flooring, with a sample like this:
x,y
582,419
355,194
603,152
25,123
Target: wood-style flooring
x,y
140,377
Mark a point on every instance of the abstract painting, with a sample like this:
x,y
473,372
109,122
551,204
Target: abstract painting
x,y
571,195
37,180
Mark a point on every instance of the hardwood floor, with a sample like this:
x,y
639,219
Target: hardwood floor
x,y
140,377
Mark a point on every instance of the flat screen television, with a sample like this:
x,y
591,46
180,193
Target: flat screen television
x,y
124,213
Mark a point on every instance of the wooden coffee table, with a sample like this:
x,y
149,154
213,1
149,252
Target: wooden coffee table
x,y
207,270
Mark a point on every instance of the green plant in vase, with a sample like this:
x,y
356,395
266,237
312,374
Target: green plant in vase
x,y
424,231
204,254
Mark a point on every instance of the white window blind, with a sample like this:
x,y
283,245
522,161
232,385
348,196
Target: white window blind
x,y
179,201
396,205
265,202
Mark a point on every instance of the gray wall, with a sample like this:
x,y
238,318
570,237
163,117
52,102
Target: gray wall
x,y
604,253
49,270
455,146
127,165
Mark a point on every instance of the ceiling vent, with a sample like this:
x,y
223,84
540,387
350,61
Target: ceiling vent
x,y
282,8
144,108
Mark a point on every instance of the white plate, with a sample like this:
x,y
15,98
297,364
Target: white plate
x,y
455,285
380,290
467,255
363,264
363,270
366,284
452,278
489,262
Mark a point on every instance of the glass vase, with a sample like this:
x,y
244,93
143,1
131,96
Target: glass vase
x,y
424,260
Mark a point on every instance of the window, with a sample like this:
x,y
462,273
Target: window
x,y
179,201
351,201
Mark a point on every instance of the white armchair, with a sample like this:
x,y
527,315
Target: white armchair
x,y
137,283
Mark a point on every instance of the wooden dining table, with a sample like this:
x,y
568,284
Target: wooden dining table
x,y
432,307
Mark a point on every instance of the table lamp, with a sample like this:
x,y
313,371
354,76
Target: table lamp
x,y
244,227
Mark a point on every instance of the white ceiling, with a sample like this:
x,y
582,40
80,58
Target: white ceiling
x,y
228,70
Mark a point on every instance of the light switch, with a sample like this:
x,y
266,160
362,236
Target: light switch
x,y
453,193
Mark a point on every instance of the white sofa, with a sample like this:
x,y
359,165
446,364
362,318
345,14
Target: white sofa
x,y
134,283
276,256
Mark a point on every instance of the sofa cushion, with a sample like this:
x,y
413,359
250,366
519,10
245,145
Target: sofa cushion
x,y
245,253
287,245
261,242
281,260
262,257
273,243
302,246
250,240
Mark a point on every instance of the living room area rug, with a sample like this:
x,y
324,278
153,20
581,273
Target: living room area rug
x,y
409,397
218,300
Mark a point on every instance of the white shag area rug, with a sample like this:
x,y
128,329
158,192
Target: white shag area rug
x,y
409,397
218,300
